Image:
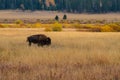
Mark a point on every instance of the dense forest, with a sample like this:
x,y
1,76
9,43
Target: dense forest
x,y
76,6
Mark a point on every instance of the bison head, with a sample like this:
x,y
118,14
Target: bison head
x,y
48,41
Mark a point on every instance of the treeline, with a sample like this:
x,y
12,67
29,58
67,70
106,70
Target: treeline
x,y
76,6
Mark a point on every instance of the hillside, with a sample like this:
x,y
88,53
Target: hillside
x,y
75,6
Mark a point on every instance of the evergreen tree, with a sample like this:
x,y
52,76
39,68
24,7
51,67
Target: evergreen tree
x,y
57,18
65,17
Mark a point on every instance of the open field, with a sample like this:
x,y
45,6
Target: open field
x,y
72,56
9,15
12,14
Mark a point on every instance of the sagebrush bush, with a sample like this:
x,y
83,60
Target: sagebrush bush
x,y
106,28
88,26
85,26
29,26
1,26
115,27
66,25
37,25
101,21
48,29
77,25
117,23
96,29
57,27
19,22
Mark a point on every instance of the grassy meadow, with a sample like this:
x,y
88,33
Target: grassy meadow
x,y
71,56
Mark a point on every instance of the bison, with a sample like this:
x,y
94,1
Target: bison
x,y
39,39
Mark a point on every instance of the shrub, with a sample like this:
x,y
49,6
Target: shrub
x,y
106,28
29,26
96,29
37,25
48,29
101,21
65,25
117,23
88,26
1,26
77,25
115,27
83,26
57,27
19,22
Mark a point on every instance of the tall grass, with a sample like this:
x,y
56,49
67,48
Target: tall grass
x,y
72,56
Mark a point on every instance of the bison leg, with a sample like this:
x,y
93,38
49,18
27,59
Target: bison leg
x,y
39,44
29,43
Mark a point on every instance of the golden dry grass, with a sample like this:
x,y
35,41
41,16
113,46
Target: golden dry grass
x,y
72,56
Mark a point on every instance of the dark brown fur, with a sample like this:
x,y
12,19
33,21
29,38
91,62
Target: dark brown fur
x,y
39,39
